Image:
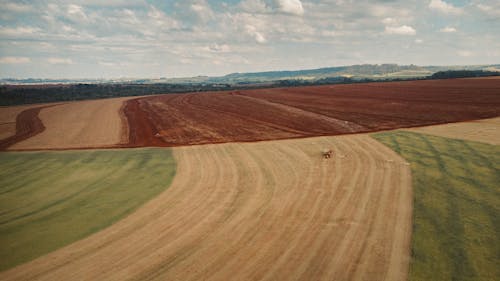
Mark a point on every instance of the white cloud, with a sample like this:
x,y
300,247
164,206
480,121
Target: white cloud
x,y
293,7
18,31
444,7
465,53
448,29
59,61
76,13
17,7
254,6
14,60
419,41
389,21
252,30
203,10
492,9
216,48
400,30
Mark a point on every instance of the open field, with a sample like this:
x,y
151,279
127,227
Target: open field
x,y
257,211
456,223
8,117
19,123
280,113
51,199
253,115
96,123
486,130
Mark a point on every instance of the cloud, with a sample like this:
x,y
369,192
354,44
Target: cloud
x,y
254,6
14,60
491,9
59,61
443,7
203,10
18,31
252,30
448,29
17,7
400,30
76,13
419,41
293,7
465,53
216,48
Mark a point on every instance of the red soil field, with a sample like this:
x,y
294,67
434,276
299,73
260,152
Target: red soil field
x,y
27,125
280,113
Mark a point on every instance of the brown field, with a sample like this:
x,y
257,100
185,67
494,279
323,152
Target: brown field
x,y
486,130
84,124
26,125
8,115
257,211
280,113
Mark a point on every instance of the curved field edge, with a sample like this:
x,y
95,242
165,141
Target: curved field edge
x,y
257,211
28,124
51,199
456,227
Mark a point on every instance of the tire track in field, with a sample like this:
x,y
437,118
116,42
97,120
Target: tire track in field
x,y
271,210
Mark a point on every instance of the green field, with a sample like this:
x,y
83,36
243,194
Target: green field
x,y
50,199
456,220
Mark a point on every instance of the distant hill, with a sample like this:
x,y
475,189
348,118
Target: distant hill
x,y
354,72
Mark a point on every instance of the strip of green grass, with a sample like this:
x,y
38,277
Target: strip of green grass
x,y
50,199
456,220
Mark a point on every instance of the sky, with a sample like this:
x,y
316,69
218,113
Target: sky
x,y
183,38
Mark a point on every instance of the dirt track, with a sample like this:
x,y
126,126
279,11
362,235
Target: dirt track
x,y
257,211
486,130
280,113
95,123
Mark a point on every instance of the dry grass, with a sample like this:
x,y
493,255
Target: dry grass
x,y
95,123
272,210
486,130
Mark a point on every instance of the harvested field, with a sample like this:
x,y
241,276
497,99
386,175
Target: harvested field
x,y
280,113
486,130
456,223
26,125
257,211
8,116
85,124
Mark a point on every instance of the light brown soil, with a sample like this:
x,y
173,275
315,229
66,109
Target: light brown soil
x,y
94,123
8,116
271,210
486,130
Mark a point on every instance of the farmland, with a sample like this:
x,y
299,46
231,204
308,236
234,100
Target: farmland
x,y
86,124
265,114
233,212
252,197
50,199
456,228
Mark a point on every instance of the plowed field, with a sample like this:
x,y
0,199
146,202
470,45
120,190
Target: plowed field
x,y
257,211
280,113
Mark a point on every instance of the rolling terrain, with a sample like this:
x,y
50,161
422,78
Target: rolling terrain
x,y
268,211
